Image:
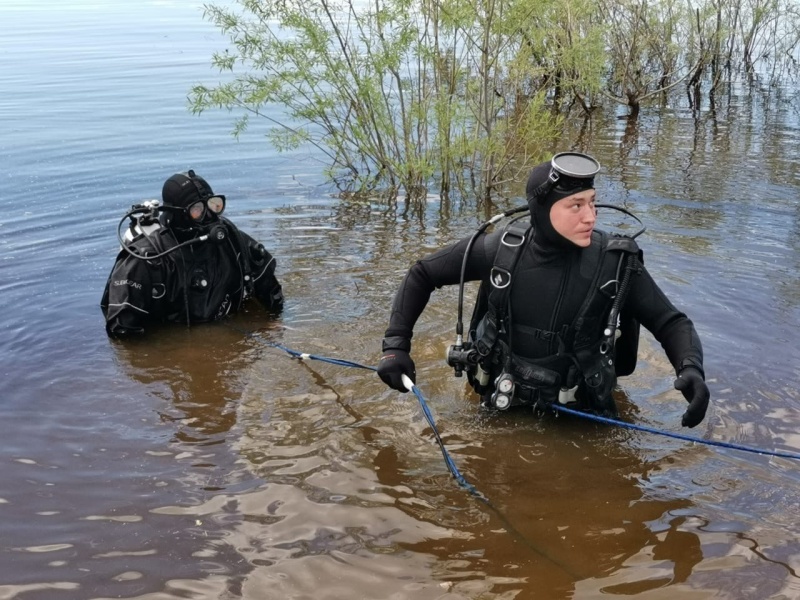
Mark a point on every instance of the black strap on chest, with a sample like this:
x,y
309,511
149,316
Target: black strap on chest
x,y
609,287
241,251
584,328
515,238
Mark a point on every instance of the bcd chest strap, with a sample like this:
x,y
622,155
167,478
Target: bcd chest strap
x,y
608,274
609,261
513,241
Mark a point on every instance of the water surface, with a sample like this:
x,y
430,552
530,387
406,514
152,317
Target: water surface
x,y
207,463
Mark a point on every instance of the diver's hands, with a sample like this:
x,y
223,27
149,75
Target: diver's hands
x,y
394,364
690,383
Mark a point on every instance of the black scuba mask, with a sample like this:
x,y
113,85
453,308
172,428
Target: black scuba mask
x,y
207,209
569,173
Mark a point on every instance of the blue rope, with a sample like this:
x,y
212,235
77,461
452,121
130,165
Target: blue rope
x,y
451,465
447,460
558,407
679,436
333,361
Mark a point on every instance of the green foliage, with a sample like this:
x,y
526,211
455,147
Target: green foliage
x,y
397,94
466,94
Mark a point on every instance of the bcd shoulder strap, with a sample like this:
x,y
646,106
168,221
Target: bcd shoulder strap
x,y
512,243
607,273
616,261
241,251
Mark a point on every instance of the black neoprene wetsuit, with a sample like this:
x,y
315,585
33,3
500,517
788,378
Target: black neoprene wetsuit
x,y
549,287
196,283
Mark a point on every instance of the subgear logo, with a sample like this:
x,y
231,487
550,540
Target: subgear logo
x,y
128,282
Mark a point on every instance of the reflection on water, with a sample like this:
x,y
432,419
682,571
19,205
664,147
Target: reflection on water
x,y
208,463
198,376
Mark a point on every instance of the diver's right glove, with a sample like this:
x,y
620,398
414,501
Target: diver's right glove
x,y
394,364
691,384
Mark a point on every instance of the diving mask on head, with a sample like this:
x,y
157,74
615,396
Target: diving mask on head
x,y
569,172
572,169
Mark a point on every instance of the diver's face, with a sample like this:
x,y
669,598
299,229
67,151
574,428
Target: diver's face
x,y
204,211
573,217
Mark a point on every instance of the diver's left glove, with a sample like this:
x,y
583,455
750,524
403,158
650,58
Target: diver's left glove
x,y
691,384
394,364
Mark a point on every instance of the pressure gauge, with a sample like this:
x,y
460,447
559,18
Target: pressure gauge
x,y
504,391
505,385
502,401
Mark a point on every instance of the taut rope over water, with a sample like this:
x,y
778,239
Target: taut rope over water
x,y
559,408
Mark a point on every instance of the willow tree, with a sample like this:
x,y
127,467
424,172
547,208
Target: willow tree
x,y
398,94
562,52
647,48
769,36
655,45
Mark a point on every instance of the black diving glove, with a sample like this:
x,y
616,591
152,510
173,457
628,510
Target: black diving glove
x,y
394,364
691,384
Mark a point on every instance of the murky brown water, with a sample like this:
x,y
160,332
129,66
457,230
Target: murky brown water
x,y
207,463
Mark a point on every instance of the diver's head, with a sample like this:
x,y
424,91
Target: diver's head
x,y
194,204
567,174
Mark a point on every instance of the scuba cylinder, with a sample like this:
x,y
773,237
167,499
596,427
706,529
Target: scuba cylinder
x,y
146,219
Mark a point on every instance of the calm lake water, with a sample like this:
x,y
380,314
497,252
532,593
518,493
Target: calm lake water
x,y
204,463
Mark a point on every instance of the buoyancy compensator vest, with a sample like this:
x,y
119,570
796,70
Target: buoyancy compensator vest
x,y
150,237
599,345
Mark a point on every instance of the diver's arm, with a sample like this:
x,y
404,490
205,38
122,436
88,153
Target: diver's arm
x,y
266,286
677,335
671,327
127,297
434,271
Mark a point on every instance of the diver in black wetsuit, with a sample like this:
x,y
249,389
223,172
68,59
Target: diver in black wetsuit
x,y
547,330
182,261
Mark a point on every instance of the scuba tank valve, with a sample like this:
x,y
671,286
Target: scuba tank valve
x,y
144,220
